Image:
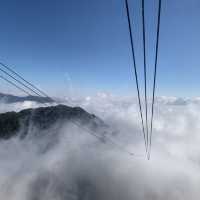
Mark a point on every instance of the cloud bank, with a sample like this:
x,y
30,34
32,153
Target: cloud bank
x,y
79,167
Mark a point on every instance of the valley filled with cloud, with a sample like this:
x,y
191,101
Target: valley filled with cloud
x,y
74,165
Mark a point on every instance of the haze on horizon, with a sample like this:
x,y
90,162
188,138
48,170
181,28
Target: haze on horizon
x,y
79,53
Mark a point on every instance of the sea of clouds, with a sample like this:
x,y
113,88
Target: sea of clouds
x,y
79,167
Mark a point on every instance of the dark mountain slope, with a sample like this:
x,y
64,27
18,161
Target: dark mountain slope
x,y
44,118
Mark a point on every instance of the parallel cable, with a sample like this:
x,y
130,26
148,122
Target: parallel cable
x,y
10,82
101,139
118,146
20,82
145,70
155,75
19,76
20,88
135,71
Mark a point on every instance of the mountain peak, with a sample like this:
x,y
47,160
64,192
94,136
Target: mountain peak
x,y
44,118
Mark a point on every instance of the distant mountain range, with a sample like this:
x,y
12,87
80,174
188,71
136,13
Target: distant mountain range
x,y
12,123
7,98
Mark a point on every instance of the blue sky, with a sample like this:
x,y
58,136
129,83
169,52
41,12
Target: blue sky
x,y
84,45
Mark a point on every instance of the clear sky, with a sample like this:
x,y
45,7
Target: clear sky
x,y
63,44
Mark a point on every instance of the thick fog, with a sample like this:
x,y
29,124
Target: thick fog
x,y
72,164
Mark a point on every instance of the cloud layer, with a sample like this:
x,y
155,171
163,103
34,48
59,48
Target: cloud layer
x,y
79,167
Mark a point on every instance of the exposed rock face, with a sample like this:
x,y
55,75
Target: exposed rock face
x,y
44,118
7,98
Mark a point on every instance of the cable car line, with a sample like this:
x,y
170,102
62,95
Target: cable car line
x,y
135,71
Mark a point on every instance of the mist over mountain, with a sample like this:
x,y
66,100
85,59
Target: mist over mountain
x,y
56,159
99,100
44,118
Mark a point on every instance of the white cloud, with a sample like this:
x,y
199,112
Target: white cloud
x,y
78,165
